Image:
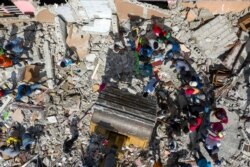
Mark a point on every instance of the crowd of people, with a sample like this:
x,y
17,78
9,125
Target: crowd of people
x,y
205,121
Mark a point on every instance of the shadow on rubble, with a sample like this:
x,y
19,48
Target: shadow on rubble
x,y
30,35
119,67
13,33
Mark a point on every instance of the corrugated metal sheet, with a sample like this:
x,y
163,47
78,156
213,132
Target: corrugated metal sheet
x,y
125,113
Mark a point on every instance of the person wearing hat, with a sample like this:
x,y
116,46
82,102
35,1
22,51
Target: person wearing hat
x,y
221,115
216,130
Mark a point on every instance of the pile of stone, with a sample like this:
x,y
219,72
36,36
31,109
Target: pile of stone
x,y
68,93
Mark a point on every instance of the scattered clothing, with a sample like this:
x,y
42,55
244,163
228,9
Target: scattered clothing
x,y
15,46
25,90
27,141
5,62
9,151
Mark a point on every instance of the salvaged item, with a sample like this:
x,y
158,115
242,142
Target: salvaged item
x,y
220,77
124,118
244,22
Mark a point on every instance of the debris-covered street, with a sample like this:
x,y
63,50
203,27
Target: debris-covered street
x,y
124,83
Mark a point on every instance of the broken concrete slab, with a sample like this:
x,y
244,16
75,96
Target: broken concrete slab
x,y
219,6
191,15
17,115
126,8
49,65
231,57
19,105
215,37
242,57
98,26
45,16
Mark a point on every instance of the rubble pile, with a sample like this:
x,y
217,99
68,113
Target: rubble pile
x,y
195,62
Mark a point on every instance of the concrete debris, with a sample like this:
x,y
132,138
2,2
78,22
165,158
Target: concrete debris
x,y
215,37
124,83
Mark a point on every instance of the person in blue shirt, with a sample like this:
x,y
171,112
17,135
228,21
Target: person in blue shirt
x,y
173,47
201,160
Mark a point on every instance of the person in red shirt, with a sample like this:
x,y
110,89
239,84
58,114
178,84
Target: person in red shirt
x,y
194,124
221,115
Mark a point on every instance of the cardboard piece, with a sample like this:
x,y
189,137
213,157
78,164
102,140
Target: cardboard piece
x,y
32,73
78,42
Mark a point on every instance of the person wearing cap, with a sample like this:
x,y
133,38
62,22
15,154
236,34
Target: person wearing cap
x,y
191,91
221,115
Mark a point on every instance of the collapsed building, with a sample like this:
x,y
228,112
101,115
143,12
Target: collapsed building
x,y
87,32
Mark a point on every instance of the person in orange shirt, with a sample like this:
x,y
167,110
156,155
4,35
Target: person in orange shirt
x,y
5,62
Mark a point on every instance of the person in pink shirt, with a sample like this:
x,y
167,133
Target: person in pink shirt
x,y
216,130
